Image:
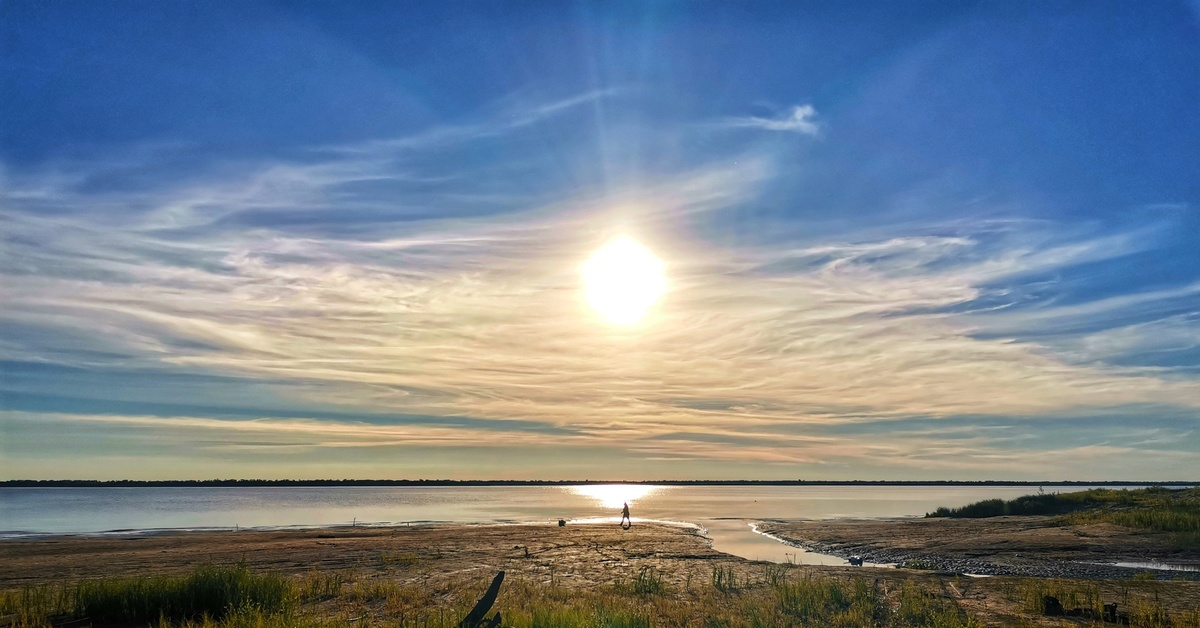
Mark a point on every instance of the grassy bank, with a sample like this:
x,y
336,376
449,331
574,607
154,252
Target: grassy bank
x,y
1157,508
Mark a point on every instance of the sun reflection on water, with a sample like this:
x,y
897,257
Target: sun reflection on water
x,y
614,495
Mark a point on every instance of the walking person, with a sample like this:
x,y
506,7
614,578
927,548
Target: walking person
x,y
626,521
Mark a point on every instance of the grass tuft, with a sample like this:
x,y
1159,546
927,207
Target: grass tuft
x,y
725,580
208,592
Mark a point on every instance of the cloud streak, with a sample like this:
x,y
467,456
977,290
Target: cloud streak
x,y
799,119
451,312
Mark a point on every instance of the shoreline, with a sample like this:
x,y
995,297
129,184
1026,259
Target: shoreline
x,y
942,546
586,553
23,535
996,546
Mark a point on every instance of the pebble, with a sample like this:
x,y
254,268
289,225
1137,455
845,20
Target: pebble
x,y
977,567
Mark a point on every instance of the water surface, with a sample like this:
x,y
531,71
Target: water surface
x,y
726,514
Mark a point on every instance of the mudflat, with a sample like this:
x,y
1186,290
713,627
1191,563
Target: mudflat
x,y
576,555
1031,546
441,558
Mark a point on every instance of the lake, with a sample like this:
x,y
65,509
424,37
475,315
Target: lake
x,y
725,513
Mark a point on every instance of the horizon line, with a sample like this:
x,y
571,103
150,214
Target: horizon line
x,y
21,483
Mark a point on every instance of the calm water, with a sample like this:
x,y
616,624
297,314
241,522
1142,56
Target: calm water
x,y
725,513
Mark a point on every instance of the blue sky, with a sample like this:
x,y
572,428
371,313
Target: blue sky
x,y
900,240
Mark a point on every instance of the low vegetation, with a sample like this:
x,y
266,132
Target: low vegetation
x,y
773,595
234,597
1156,508
1138,601
210,592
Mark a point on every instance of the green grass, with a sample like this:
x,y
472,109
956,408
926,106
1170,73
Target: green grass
x,y
208,592
725,580
779,595
830,602
1156,508
234,597
920,607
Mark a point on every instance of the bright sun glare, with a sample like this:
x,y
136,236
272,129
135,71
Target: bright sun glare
x,y
622,280
614,496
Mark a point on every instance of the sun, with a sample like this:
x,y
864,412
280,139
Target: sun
x,y
623,280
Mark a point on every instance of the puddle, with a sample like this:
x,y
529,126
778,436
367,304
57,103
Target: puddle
x,y
742,538
1156,566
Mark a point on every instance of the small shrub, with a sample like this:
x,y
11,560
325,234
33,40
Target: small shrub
x,y
648,582
318,586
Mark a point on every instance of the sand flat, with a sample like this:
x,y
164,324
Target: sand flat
x,y
582,555
442,557
1028,544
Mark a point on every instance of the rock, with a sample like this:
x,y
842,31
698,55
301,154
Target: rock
x,y
1051,607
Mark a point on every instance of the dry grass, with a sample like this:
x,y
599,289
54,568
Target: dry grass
x,y
232,597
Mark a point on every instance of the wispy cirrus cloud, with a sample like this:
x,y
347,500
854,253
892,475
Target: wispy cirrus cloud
x,y
798,119
367,284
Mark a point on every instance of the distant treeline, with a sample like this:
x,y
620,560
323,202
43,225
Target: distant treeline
x,y
219,483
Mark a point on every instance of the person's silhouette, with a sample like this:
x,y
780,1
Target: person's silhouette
x,y
626,521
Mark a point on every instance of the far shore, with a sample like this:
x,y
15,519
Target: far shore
x,y
26,483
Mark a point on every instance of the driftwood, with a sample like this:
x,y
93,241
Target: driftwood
x,y
66,621
475,619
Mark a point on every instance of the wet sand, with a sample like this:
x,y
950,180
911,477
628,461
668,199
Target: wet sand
x,y
592,554
580,555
